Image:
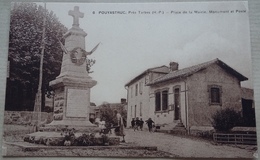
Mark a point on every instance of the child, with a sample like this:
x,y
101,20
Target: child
x,y
133,123
137,123
149,123
141,124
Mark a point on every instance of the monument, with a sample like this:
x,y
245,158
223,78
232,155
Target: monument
x,y
71,125
72,86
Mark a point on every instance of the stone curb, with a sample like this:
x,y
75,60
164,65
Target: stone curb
x,y
36,148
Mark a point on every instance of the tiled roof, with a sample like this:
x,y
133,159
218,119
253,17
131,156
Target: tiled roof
x,y
193,69
160,69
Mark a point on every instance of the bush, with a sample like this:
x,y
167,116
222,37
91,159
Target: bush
x,y
226,119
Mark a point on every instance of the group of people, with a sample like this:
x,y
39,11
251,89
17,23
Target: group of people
x,y
139,123
120,128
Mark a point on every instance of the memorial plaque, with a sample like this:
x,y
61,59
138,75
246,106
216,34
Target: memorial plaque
x,y
77,103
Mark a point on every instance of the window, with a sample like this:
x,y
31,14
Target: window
x,y
176,91
164,100
136,89
157,101
141,108
151,77
141,87
215,95
161,100
176,97
146,79
131,90
135,110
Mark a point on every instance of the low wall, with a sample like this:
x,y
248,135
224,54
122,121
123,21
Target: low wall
x,y
202,131
24,117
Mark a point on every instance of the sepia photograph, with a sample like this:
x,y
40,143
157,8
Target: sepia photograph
x,y
168,79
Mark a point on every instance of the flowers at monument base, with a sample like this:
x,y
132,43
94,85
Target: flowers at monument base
x,y
67,143
69,137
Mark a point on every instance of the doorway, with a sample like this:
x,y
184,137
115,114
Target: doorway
x,y
176,103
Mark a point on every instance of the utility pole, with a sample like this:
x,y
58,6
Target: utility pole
x,y
38,97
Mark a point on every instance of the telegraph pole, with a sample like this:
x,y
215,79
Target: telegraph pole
x,y
38,97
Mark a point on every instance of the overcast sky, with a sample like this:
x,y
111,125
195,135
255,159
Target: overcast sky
x,y
132,43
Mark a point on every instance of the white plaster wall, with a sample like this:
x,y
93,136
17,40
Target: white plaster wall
x,y
165,117
136,100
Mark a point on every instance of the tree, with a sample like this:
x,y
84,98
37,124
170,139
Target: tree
x,y
24,54
226,119
89,64
107,114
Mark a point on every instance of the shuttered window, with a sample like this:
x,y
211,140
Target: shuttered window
x,y
164,100
157,101
215,94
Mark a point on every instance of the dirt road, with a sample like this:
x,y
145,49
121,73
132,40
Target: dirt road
x,y
186,147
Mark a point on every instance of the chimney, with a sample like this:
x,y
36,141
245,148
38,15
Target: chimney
x,y
174,66
123,101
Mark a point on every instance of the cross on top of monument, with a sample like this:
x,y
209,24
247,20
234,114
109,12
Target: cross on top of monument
x,y
76,14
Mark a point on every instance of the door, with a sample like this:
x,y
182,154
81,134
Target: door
x,y
176,103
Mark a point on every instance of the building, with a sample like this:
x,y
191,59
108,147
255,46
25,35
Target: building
x,y
248,107
189,96
138,97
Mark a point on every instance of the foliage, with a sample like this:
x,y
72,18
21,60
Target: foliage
x,y
89,64
226,119
105,139
25,45
25,39
69,136
84,140
107,114
206,134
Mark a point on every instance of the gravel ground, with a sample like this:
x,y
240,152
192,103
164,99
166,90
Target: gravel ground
x,y
168,146
13,151
188,147
14,133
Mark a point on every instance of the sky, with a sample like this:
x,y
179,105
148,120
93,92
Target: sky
x,y
154,34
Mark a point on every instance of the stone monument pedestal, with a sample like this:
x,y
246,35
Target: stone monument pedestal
x,y
72,102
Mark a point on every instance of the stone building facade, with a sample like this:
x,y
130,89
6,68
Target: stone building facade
x,y
190,95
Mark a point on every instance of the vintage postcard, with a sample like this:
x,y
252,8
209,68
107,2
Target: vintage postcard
x,y
130,80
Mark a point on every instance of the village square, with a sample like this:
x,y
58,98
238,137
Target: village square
x,y
198,111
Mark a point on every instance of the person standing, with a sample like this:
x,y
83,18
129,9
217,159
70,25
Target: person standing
x,y
141,124
137,124
133,123
149,123
120,130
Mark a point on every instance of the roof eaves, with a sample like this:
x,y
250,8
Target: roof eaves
x,y
198,68
145,72
191,70
232,71
137,77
